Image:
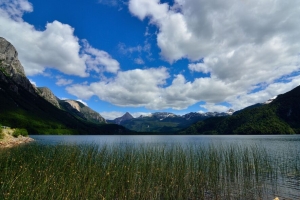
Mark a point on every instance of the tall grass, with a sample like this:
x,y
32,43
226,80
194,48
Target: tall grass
x,y
138,172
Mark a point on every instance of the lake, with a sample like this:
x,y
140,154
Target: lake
x,y
283,149
273,143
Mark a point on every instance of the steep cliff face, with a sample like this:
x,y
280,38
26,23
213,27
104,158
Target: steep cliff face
x,y
82,111
11,66
47,94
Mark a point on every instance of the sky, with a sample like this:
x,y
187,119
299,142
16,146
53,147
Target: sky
x,y
145,56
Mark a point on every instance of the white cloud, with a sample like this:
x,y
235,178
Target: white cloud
x,y
199,67
55,47
211,107
148,88
130,88
99,61
242,43
62,82
16,8
246,99
32,82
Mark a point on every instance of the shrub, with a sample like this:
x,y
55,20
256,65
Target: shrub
x,y
1,133
20,131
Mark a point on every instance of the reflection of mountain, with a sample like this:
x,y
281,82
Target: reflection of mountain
x,y
279,116
37,109
163,121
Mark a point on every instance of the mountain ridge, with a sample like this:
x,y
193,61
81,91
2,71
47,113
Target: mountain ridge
x,y
280,116
164,121
22,104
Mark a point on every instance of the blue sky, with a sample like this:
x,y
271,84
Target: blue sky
x,y
145,56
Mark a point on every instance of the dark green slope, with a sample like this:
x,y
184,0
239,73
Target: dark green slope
x,y
282,116
151,125
22,109
288,108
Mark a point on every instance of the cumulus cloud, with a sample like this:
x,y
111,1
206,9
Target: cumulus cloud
x,y
130,88
148,88
199,67
241,44
55,47
99,61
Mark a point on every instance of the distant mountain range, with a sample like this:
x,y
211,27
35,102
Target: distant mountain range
x,y
22,105
163,121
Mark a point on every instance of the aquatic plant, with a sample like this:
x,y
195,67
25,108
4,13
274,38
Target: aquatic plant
x,y
132,171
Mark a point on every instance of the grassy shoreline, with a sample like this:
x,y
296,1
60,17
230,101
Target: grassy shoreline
x,y
64,171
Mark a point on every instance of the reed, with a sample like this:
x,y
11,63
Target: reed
x,y
132,171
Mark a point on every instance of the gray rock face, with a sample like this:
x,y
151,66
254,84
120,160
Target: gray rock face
x,y
47,94
125,117
11,66
80,110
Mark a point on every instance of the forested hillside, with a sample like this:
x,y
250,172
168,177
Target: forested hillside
x,y
282,116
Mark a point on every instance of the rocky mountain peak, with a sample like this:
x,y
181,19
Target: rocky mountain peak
x,y
82,111
47,94
11,67
125,117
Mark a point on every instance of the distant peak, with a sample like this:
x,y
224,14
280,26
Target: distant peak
x,y
127,115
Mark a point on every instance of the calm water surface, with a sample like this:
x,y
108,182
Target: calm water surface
x,y
270,142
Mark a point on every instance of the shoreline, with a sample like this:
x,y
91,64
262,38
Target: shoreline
x,y
9,141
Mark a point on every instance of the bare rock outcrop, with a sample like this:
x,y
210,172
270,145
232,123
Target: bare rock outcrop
x,y
82,111
47,94
11,66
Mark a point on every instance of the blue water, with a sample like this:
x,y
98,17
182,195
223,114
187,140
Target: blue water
x,y
270,142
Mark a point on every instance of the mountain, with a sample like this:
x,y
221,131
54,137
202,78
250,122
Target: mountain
x,y
82,111
11,67
122,119
47,94
75,108
164,122
279,116
24,106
